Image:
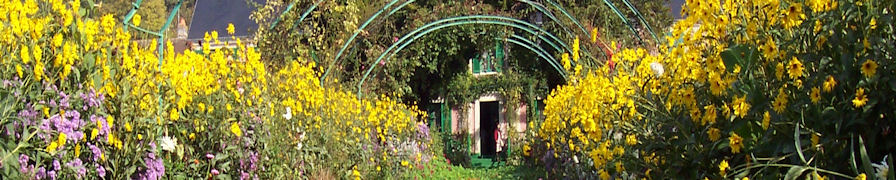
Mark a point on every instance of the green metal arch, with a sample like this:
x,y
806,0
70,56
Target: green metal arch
x,y
403,42
542,9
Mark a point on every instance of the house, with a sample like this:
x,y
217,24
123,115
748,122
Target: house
x,y
489,120
216,15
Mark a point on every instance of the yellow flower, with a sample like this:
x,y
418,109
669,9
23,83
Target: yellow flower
x,y
794,15
861,98
136,19
52,147
815,95
766,119
829,84
714,134
230,28
861,176
93,133
565,60
795,68
127,126
77,150
24,54
723,167
229,108
235,129
404,163
631,140
869,68
735,142
604,175
780,103
19,70
741,107
873,23
593,35
710,115
815,139
61,139
110,120
173,114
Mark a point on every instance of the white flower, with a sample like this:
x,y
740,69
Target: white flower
x,y
168,143
575,159
881,170
288,114
657,68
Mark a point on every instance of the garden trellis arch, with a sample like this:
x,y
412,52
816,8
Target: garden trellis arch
x,y
389,5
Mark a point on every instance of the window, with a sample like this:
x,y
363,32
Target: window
x,y
489,62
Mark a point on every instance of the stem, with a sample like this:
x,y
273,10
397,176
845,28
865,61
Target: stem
x,y
790,165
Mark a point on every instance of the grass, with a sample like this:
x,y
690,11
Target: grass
x,y
440,169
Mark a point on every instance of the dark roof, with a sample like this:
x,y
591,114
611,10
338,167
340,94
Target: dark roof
x,y
675,8
214,15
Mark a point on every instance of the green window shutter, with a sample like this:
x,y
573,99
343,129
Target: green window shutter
x,y
446,118
476,65
499,54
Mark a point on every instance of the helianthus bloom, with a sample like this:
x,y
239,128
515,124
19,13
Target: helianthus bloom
x,y
794,15
235,129
869,68
593,35
565,60
766,119
136,19
829,84
795,68
861,98
814,139
230,28
873,23
174,115
815,95
604,175
19,70
780,103
24,54
735,142
710,115
769,49
741,107
723,167
631,140
714,134
861,176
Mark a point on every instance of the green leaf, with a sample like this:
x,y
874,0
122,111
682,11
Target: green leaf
x,y
866,162
796,142
794,172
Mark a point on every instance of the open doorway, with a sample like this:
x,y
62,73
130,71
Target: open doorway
x,y
489,112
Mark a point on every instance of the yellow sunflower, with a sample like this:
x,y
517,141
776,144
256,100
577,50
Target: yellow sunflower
x,y
861,98
815,95
869,68
795,68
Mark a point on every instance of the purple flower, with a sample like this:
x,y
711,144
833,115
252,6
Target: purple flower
x,y
155,168
100,170
215,172
209,156
96,151
41,173
244,175
78,166
23,162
